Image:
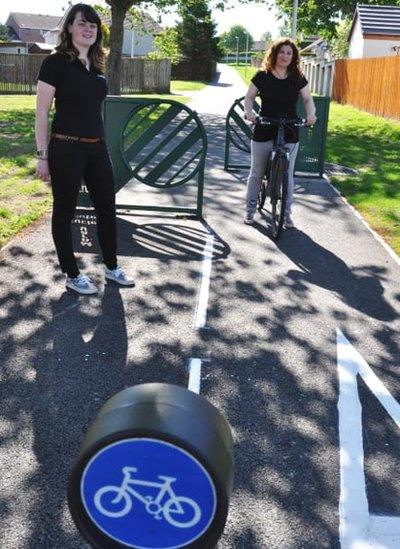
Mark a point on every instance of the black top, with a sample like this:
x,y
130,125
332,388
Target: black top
x,y
78,97
278,98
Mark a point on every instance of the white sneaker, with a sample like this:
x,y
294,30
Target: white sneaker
x,y
248,219
119,276
288,223
81,284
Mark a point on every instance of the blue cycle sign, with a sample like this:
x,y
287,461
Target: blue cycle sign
x,y
147,493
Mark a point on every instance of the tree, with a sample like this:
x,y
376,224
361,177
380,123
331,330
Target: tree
x,y
103,11
340,44
267,38
105,31
119,9
236,38
166,44
3,33
197,32
319,16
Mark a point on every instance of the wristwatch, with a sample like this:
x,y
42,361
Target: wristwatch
x,y
42,154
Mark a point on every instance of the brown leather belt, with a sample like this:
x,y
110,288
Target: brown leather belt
x,y
76,139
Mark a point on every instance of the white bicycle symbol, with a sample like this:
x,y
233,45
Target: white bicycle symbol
x,y
179,511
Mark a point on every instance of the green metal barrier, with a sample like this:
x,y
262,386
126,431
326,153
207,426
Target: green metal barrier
x,y
159,142
311,155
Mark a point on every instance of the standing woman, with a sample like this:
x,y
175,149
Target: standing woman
x,y
279,84
74,76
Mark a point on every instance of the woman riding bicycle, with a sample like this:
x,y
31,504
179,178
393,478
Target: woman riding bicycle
x,y
279,84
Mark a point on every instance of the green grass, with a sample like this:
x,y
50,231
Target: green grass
x,y
23,197
371,145
184,85
246,71
180,91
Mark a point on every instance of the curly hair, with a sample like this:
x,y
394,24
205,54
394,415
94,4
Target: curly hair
x,y
65,45
271,57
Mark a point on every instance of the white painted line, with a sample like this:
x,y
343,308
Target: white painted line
x,y
358,529
378,238
353,504
194,375
383,525
202,303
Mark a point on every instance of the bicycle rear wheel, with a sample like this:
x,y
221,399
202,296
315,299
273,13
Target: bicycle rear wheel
x,y
279,177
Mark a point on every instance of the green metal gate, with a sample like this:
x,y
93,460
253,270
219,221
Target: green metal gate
x,y
311,155
158,142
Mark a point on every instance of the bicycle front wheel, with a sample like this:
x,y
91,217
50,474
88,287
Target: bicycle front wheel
x,y
262,195
279,189
112,502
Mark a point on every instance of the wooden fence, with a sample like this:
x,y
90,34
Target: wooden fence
x,y
18,74
145,75
372,85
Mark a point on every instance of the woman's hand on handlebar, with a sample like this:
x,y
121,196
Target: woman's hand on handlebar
x,y
311,120
251,117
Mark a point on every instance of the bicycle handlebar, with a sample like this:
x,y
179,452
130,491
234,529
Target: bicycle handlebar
x,y
266,121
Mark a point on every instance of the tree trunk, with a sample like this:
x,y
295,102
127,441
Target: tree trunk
x,y
118,13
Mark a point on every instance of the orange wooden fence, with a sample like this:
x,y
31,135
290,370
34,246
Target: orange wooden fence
x,y
372,85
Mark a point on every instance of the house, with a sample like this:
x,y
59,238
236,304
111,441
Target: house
x,y
28,27
259,46
374,32
14,47
138,36
318,49
25,47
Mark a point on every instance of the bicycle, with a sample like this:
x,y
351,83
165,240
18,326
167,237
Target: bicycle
x,y
275,181
175,506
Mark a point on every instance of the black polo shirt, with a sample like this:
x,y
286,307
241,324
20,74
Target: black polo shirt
x,y
278,98
78,96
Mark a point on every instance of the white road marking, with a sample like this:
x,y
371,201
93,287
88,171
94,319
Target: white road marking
x,y
358,529
194,375
202,303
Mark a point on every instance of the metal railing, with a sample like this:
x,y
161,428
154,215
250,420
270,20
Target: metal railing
x,y
158,142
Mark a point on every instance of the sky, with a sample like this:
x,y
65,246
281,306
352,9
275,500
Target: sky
x,y
254,17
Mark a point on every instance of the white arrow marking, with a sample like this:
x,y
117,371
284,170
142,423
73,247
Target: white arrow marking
x,y
359,529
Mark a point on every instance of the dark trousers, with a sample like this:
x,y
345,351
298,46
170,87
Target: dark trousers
x,y
69,162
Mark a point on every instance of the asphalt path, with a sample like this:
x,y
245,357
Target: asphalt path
x,y
268,346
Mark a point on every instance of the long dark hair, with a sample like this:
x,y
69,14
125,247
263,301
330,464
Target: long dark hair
x,y
66,47
271,56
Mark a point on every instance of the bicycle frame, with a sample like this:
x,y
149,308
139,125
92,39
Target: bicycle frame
x,y
278,156
165,488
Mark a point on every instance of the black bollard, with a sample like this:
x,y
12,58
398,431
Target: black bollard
x,y
154,471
